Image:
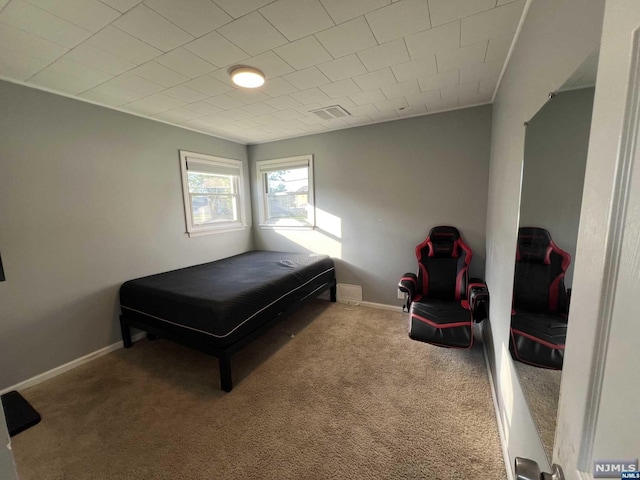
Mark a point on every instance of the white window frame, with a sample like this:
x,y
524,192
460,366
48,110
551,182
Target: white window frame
x,y
210,162
265,166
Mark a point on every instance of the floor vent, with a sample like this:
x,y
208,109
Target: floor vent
x,y
329,113
349,293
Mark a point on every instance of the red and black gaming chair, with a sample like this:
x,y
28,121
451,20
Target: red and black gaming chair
x,y
442,303
540,300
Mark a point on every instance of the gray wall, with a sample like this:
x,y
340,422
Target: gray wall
x,y
555,158
89,198
556,36
380,188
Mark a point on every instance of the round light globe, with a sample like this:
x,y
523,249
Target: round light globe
x,y
247,77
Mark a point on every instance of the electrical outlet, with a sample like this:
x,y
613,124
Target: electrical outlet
x,y
400,294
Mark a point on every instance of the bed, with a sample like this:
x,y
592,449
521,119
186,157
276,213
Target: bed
x,y
221,306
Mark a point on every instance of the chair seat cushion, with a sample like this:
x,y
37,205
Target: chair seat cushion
x,y
441,322
538,339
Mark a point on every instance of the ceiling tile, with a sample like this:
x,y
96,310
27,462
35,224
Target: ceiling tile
x,y
133,83
399,19
208,85
341,88
179,114
261,108
377,79
69,77
311,95
349,37
225,102
431,82
270,64
278,86
401,89
435,40
23,54
424,98
303,53
91,15
384,116
392,104
451,95
91,56
146,25
122,5
110,94
239,8
216,49
203,108
253,34
184,93
283,103
288,114
445,11
154,104
454,59
123,45
363,109
195,16
385,55
342,11
185,62
248,96
159,74
492,23
481,71
415,69
499,48
238,114
34,20
297,18
344,102
307,78
342,68
369,96
266,119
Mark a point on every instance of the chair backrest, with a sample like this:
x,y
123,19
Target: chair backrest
x,y
540,269
443,261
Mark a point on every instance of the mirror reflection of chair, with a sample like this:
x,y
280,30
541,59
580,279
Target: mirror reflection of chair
x,y
540,300
443,303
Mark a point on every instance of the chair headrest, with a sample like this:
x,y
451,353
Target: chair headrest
x,y
443,242
534,245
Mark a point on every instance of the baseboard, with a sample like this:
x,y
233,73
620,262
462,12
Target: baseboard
x,y
69,366
379,306
503,440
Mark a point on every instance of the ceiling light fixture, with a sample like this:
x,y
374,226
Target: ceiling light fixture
x,y
247,77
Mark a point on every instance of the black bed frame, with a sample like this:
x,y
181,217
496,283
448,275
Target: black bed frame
x,y
198,341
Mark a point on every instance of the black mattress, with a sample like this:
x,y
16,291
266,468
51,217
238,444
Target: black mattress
x,y
227,299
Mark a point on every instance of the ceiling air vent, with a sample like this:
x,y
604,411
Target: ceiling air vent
x,y
328,113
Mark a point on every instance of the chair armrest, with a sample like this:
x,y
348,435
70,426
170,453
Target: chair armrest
x,y
478,295
408,284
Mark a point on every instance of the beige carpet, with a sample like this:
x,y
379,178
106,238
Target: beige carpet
x,y
541,388
333,392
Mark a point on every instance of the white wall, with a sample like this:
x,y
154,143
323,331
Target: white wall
x,y
89,198
557,35
380,188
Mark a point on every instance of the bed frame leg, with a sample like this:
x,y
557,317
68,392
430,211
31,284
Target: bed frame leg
x,y
126,334
332,293
225,372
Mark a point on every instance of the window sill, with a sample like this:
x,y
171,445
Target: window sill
x,y
213,231
266,226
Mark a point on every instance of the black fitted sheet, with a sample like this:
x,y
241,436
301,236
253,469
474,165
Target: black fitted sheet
x,y
226,299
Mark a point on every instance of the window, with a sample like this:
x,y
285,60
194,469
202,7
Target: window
x,y
286,192
213,193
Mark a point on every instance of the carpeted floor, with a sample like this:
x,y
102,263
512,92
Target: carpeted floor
x,y
541,388
333,392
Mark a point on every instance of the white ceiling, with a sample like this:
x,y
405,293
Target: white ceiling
x,y
169,59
